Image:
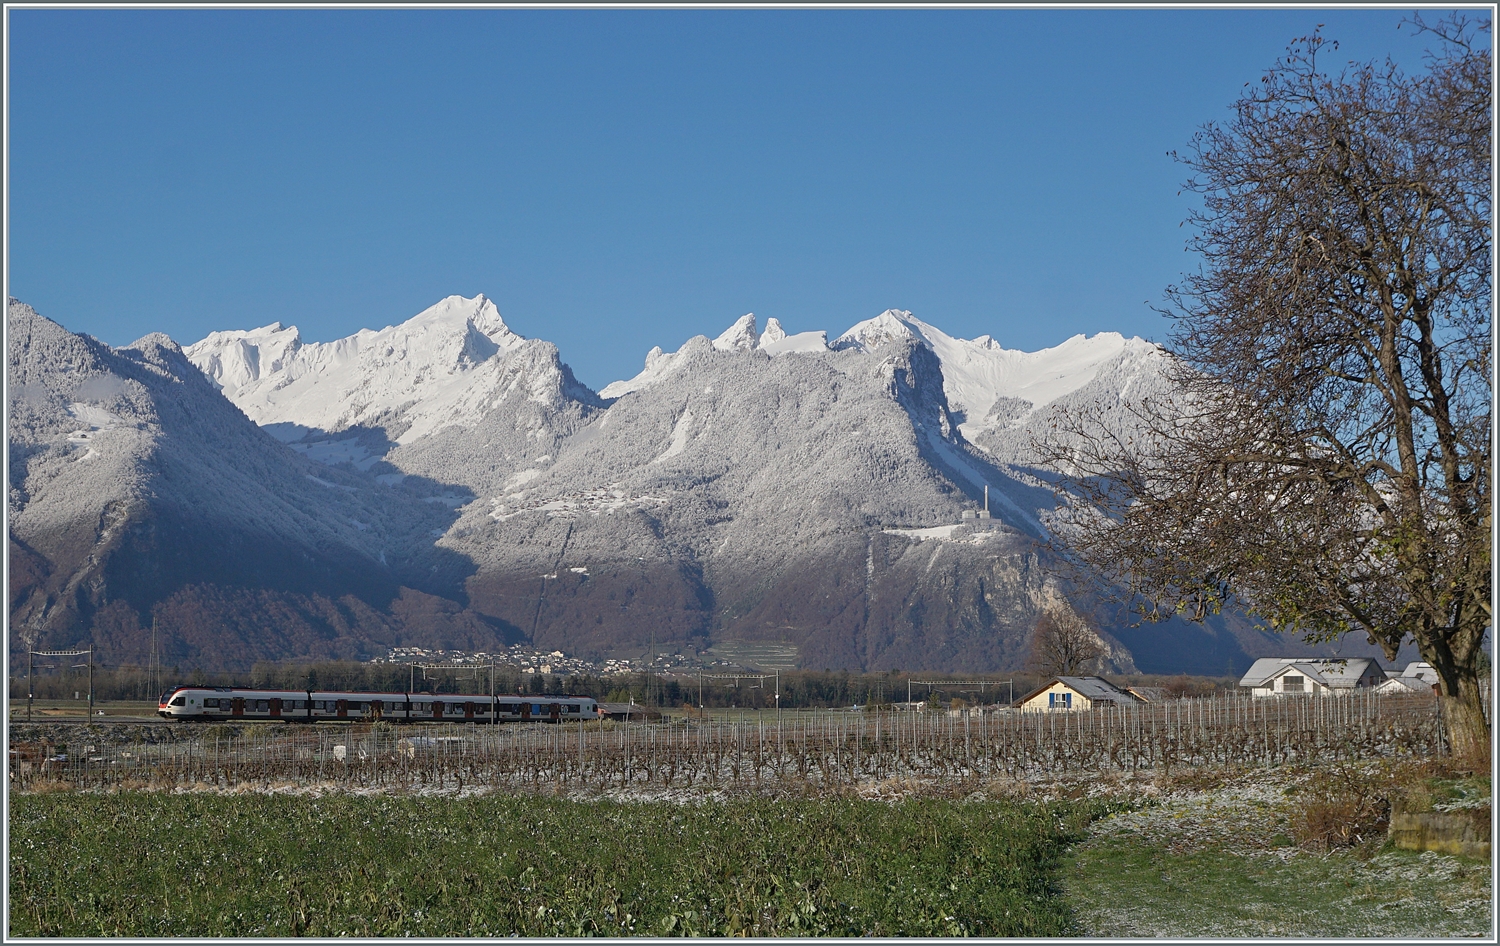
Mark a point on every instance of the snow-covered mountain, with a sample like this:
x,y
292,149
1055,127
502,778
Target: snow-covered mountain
x,y
137,491
989,388
752,489
355,399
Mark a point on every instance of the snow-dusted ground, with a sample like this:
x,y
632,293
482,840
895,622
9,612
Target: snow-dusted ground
x,y
1222,865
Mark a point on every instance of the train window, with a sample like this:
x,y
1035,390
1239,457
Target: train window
x,y
211,703
263,706
179,701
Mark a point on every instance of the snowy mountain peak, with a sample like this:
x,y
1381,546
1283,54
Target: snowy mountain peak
x,y
892,324
979,375
432,370
235,358
773,333
740,336
479,315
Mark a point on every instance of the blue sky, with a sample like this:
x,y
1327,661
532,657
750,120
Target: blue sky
x,y
621,179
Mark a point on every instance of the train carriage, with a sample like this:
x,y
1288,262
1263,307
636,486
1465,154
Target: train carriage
x,y
338,704
232,703
244,703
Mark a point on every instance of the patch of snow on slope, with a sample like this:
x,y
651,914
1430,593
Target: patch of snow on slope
x,y
783,344
960,465
522,477
96,417
935,532
601,499
681,434
775,341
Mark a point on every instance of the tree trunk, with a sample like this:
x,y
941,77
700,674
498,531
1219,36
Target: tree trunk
x,y
1464,719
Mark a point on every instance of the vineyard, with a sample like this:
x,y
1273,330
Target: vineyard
x,y
821,750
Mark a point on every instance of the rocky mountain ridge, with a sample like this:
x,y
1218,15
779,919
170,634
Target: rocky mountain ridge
x,y
454,481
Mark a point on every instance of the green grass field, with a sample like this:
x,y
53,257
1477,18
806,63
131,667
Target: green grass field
x,y
149,865
1223,862
1132,888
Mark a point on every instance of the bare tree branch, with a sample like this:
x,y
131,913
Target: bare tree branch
x,y
1063,644
1325,458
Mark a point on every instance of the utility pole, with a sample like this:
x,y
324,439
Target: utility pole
x,y
30,659
155,662
90,711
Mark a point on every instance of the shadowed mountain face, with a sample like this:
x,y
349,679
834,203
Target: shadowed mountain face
x,y
447,482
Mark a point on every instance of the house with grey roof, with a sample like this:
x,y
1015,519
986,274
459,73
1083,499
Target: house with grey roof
x,y
1298,676
1075,693
1404,684
1418,677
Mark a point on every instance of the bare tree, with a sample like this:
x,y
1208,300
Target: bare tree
x,y
1063,643
1325,458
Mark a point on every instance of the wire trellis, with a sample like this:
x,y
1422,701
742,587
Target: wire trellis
x,y
736,752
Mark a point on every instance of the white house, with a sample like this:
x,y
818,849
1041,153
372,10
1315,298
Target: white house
x,y
1421,670
1404,684
1296,676
1075,693
1418,677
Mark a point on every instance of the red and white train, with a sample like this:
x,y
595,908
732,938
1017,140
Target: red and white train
x,y
310,706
